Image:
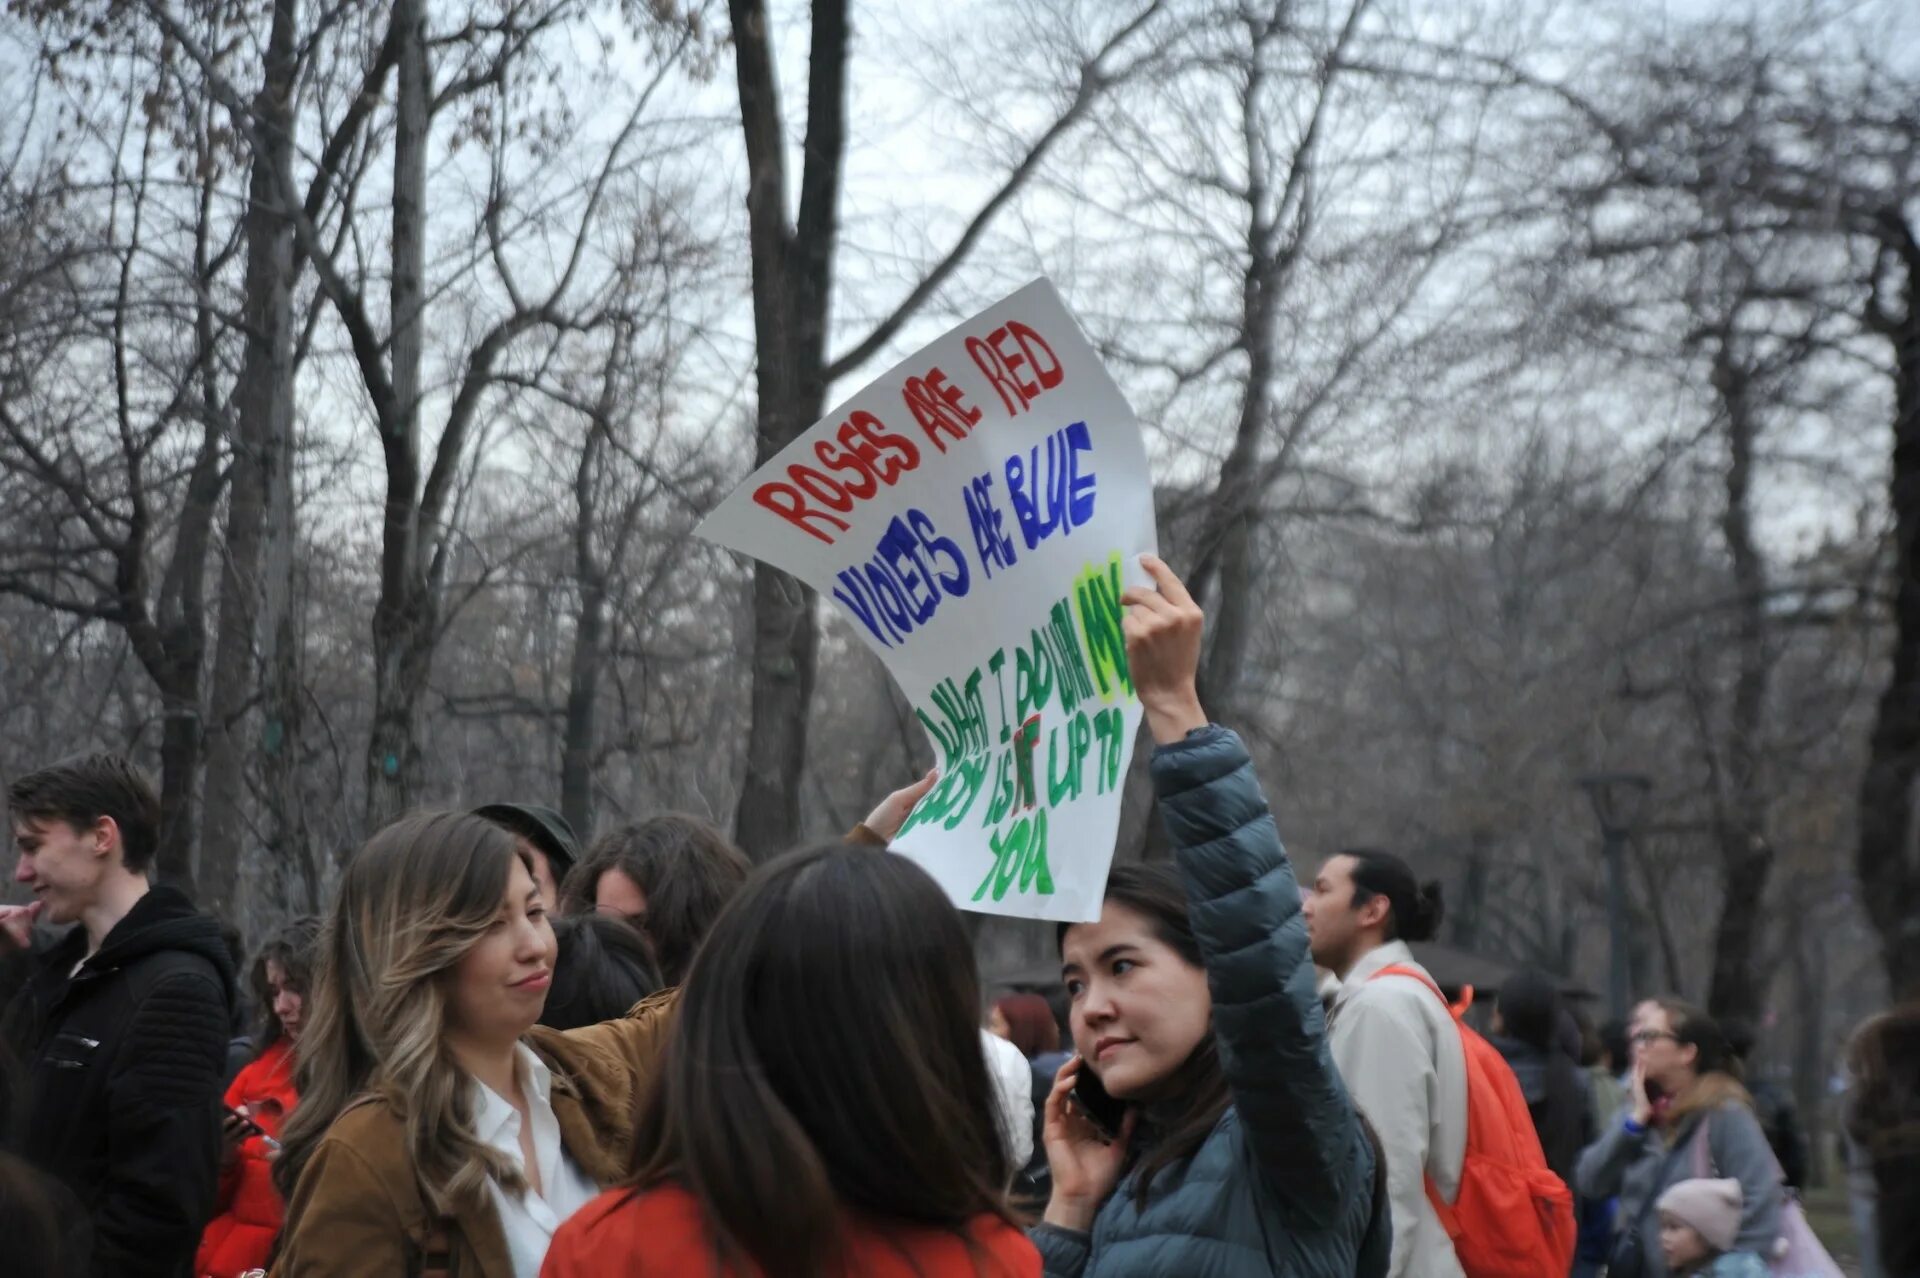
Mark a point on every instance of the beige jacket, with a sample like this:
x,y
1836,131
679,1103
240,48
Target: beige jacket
x,y
1398,1051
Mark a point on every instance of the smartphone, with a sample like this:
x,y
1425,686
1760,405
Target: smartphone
x,y
249,1128
1090,1097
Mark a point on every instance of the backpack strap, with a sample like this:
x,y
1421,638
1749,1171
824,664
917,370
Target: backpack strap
x,y
436,1255
1456,1007
1700,1148
1417,973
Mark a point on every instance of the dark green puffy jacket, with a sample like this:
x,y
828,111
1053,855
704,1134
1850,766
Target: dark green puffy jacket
x,y
1284,1185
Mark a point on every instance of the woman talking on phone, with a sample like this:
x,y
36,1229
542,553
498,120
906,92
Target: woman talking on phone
x,y
1230,1146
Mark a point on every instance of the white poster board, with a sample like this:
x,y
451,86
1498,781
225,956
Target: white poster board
x,y
976,513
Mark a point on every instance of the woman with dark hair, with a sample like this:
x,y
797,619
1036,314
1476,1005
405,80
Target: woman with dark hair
x,y
1882,1117
1531,1030
669,876
248,1212
602,970
1201,1129
824,1107
1027,1022
1680,1051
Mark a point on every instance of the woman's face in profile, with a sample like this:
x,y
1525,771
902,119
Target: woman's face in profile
x,y
1139,1008
500,985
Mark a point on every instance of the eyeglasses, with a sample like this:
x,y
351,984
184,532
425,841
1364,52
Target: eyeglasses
x,y
1644,1037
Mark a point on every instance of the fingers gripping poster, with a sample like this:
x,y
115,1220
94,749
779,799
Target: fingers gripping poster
x,y
975,513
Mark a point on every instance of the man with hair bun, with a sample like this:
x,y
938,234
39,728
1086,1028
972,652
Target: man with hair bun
x,y
1394,1042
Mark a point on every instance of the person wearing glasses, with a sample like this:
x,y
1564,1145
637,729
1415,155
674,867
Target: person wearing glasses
x,y
1704,1125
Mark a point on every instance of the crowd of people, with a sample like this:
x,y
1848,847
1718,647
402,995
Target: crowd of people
x,y
704,1067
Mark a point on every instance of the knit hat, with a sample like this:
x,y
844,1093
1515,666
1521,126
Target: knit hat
x,y
540,826
1711,1207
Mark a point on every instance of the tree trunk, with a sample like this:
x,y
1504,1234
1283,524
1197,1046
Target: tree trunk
x,y
1746,854
589,632
1662,926
1467,912
283,701
282,689
404,615
1809,955
583,694
172,640
403,654
1224,549
171,643
1887,861
179,766
263,421
792,287
786,643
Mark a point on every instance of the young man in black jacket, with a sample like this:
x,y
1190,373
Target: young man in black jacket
x,y
121,1030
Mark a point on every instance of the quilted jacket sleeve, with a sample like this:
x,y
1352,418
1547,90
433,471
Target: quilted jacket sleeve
x,y
1244,903
1063,1252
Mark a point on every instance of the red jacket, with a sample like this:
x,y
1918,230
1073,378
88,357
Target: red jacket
x,y
248,1213
660,1232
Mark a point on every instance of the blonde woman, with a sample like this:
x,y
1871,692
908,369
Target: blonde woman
x,y
438,1131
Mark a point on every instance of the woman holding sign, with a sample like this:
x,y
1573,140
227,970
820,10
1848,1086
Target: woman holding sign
x,y
1200,1127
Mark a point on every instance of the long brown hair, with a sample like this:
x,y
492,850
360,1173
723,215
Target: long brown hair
x,y
1716,1069
292,948
826,1057
1195,1096
412,902
1882,1115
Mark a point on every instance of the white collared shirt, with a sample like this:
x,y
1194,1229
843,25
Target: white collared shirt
x,y
529,1221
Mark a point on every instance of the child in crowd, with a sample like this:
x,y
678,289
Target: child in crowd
x,y
1698,1222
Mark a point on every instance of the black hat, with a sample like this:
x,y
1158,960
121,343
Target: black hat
x,y
540,826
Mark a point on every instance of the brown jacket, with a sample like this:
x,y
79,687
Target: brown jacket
x,y
358,1209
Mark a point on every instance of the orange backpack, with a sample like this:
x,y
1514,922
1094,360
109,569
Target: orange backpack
x,y
1513,1218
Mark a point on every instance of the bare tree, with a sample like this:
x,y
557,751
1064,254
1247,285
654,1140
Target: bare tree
x,y
794,258
622,475
257,567
419,521
114,496
1743,126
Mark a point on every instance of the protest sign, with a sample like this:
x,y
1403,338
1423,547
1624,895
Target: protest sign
x,y
976,513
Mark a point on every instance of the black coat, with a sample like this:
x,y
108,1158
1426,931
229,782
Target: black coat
x,y
121,1078
1558,1098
